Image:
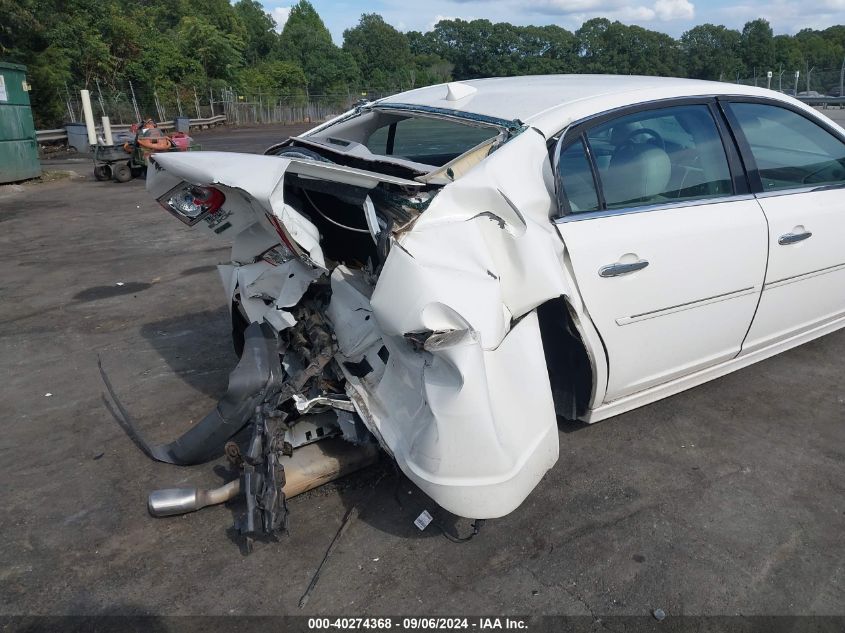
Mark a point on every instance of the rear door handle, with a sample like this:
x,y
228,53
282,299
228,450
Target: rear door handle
x,y
792,238
614,270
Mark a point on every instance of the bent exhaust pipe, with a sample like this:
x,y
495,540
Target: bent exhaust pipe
x,y
170,501
310,466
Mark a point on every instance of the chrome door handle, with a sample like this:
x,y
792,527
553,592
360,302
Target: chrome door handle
x,y
791,238
614,270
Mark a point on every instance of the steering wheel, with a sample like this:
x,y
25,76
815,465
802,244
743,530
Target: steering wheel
x,y
653,137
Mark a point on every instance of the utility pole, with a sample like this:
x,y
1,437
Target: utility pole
x,y
842,78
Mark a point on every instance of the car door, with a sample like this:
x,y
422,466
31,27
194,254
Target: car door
x,y
797,167
666,245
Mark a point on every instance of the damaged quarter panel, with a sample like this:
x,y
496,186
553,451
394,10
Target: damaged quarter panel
x,y
440,342
465,406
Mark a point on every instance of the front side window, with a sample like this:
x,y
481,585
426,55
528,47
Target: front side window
x,y
789,149
660,156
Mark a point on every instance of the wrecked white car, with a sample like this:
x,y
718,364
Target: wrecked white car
x,y
452,268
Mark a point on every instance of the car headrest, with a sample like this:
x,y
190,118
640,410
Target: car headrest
x,y
637,171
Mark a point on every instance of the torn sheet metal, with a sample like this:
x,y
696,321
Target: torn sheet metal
x,y
438,347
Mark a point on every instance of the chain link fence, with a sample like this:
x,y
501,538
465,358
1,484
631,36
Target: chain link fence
x,y
803,82
132,103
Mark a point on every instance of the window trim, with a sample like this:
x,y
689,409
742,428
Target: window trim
x,y
578,130
562,197
747,155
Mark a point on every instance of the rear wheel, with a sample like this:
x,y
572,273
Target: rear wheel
x,y
121,172
102,172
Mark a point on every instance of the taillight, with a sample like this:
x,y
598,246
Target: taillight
x,y
283,234
277,255
191,203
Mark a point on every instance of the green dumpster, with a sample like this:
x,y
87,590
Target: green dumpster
x,y
18,145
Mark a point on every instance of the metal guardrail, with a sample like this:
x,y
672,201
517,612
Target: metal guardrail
x,y
822,101
61,134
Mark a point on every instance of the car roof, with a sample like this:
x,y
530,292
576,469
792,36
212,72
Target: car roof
x,y
546,101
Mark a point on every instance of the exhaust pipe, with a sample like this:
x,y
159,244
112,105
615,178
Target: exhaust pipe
x,y
170,501
310,466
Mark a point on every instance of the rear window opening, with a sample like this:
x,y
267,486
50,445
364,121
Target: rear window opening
x,y
417,141
427,140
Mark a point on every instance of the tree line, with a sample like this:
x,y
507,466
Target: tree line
x,y
215,44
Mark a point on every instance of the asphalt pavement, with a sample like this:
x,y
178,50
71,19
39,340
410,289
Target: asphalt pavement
x,y
726,499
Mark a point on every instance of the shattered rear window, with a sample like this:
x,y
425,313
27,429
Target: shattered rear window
x,y
428,140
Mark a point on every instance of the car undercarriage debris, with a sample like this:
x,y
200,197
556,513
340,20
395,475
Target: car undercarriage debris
x,y
278,396
401,298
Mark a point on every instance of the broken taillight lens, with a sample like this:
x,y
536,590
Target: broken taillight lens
x,y
191,203
277,255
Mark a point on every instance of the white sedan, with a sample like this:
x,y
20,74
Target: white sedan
x,y
453,268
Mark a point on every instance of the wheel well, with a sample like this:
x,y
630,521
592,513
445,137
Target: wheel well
x,y
239,325
567,361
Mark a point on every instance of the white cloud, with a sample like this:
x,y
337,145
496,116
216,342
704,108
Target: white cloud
x,y
674,10
663,10
280,15
438,18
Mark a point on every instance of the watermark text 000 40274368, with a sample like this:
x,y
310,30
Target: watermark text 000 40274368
x,y
419,623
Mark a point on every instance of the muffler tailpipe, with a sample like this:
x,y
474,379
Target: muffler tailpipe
x,y
310,466
170,501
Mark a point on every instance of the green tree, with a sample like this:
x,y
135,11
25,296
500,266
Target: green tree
x,y
758,46
306,41
218,53
614,48
381,52
260,30
277,79
709,51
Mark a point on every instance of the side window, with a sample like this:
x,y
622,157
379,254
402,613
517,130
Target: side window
x,y
789,149
576,179
667,155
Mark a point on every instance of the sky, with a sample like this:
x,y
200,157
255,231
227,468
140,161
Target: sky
x,y
670,16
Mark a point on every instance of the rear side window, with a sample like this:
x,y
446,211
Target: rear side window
x,y
427,140
658,156
576,179
789,149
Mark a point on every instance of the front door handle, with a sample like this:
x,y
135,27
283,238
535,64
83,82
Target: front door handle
x,y
619,268
792,238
